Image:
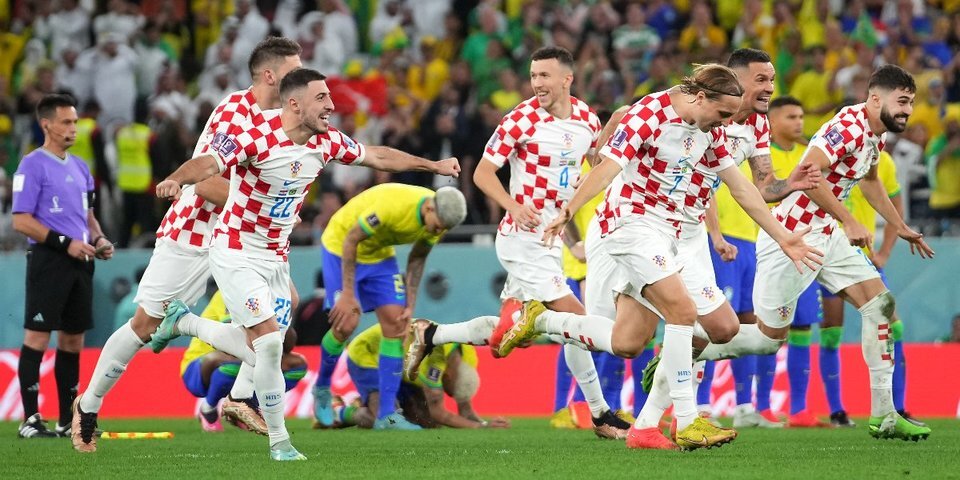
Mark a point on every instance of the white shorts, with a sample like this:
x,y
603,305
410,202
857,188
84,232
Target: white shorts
x,y
626,260
534,272
697,274
254,290
174,272
778,285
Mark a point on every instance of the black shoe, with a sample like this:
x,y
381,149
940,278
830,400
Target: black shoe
x,y
906,416
35,427
840,419
609,425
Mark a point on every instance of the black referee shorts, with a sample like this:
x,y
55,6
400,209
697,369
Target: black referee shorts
x,y
59,292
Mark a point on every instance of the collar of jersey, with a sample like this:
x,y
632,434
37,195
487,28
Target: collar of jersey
x,y
419,210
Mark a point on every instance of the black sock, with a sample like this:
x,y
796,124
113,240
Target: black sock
x,y
28,371
428,337
66,369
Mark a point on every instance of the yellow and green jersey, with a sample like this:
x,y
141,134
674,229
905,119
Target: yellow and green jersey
x,y
389,213
784,161
572,267
857,203
216,310
364,351
734,221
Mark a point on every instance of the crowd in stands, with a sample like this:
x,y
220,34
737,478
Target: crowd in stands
x,y
434,77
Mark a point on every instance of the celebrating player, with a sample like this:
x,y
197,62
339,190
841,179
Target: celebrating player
x,y
847,148
209,374
179,266
360,268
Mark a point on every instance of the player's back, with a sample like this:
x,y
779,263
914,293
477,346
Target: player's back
x,y
388,213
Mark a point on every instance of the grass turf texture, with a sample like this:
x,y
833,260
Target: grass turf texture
x,y
530,449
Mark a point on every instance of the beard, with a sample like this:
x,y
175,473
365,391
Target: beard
x,y
890,122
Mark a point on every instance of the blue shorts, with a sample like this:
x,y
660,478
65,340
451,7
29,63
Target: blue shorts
x,y
828,294
193,380
575,287
810,306
367,381
377,283
736,278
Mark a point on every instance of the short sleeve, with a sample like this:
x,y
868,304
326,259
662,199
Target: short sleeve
x,y
233,145
595,128
635,129
762,130
836,142
716,157
502,144
344,149
27,183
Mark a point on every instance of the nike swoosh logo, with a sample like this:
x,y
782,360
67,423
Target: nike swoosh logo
x,y
268,405
287,183
684,380
564,153
108,376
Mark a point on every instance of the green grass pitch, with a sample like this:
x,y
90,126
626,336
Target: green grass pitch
x,y
531,449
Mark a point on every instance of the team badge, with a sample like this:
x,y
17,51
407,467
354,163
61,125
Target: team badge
x,y
833,137
687,146
784,312
733,145
253,304
557,282
224,144
568,140
295,168
708,293
660,261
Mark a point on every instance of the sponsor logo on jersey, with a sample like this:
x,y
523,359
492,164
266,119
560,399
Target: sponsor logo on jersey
x,y
833,137
224,144
619,137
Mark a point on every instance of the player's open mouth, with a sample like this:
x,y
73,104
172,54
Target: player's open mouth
x,y
764,99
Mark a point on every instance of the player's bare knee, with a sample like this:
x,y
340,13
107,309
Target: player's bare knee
x,y
723,332
143,324
626,347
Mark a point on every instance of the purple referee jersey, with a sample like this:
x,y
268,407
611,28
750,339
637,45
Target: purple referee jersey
x,y
54,191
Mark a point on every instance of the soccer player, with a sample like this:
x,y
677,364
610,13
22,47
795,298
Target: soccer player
x,y
848,149
543,139
652,161
451,369
276,157
361,272
52,206
178,267
209,374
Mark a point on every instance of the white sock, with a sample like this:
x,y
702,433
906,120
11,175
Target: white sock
x,y
243,387
269,384
580,363
677,366
750,340
699,332
476,331
120,348
206,407
223,336
658,401
877,346
591,332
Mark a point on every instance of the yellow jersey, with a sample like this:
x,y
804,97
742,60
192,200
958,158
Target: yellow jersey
x,y
572,267
389,213
784,161
364,351
734,221
216,310
857,203
813,91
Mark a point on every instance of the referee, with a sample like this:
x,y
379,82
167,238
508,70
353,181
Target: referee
x,y
52,192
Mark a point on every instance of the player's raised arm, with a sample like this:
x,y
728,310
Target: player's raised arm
x,y
193,171
826,200
747,195
607,132
392,160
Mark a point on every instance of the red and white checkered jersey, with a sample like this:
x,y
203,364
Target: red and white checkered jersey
x,y
271,177
744,141
544,154
664,160
852,149
190,219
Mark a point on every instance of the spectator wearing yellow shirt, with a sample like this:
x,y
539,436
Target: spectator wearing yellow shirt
x,y
943,166
702,38
929,111
814,88
426,79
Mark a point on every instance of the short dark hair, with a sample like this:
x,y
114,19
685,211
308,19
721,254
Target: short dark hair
x,y
784,101
297,79
561,54
892,77
743,57
271,49
48,105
